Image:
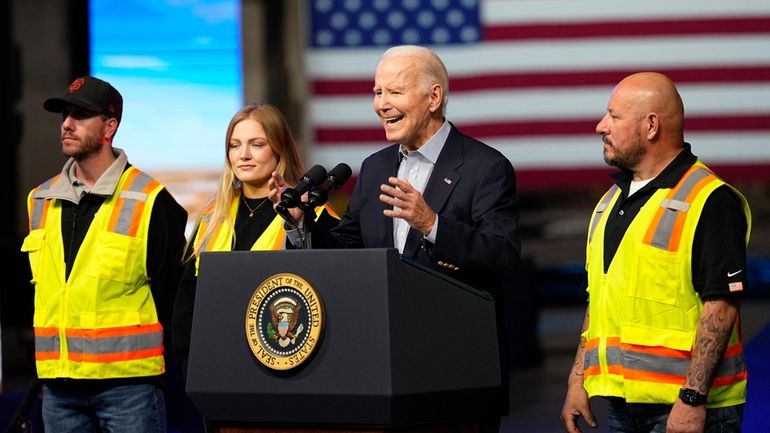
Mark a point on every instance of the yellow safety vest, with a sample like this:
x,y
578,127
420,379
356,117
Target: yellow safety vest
x,y
101,322
644,311
221,239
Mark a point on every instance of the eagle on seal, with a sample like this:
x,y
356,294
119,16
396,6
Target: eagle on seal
x,y
284,314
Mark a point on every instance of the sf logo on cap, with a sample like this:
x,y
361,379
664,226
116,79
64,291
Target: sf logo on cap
x,y
76,85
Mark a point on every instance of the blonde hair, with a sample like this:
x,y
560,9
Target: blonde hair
x,y
289,166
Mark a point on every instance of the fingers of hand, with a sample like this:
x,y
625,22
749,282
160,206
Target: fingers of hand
x,y
401,184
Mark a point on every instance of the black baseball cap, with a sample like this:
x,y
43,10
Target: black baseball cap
x,y
91,94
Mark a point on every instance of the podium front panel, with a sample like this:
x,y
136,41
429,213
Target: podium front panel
x,y
399,346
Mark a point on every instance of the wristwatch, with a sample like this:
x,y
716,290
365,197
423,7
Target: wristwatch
x,y
692,397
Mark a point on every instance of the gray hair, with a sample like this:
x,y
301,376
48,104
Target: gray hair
x,y
433,69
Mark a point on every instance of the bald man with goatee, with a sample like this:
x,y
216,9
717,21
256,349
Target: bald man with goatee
x,y
666,269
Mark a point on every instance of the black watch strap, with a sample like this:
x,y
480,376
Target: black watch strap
x,y
692,397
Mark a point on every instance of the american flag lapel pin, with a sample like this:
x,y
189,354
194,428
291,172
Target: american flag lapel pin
x,y
448,181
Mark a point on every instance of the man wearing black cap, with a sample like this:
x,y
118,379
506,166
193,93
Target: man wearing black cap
x,y
104,246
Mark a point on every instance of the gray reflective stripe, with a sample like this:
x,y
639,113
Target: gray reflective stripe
x,y
614,357
47,343
671,208
633,360
126,343
131,199
678,366
38,204
591,358
601,207
732,365
133,195
655,363
675,205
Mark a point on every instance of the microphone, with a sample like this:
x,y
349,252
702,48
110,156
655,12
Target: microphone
x,y
292,197
336,178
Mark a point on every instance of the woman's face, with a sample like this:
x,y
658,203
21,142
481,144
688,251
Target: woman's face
x,y
251,157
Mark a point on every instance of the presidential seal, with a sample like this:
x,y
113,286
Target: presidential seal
x,y
284,321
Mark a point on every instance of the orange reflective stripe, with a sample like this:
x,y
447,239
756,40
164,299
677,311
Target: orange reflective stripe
x,y
46,332
676,234
648,376
733,350
278,244
594,342
136,218
654,225
119,202
594,370
115,215
140,207
115,357
47,356
729,380
114,332
656,350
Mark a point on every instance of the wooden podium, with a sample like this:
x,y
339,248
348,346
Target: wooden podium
x,y
403,348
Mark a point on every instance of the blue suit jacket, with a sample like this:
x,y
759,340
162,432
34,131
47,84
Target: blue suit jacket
x,y
472,189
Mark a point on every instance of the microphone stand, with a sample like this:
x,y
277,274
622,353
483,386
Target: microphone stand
x,y
308,221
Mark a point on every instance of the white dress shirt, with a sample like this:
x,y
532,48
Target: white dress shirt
x,y
416,167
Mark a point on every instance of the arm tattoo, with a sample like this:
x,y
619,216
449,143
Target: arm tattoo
x,y
714,328
577,365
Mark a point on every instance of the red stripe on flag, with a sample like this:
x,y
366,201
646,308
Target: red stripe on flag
x,y
551,127
559,79
617,29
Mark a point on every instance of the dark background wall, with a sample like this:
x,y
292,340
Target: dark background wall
x,y
37,41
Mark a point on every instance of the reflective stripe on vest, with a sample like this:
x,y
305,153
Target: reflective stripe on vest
x,y
47,344
115,344
38,210
601,207
659,364
130,204
665,232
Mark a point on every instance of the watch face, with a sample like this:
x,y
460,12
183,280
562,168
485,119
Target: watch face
x,y
691,397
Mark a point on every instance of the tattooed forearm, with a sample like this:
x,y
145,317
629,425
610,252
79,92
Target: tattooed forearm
x,y
714,328
577,366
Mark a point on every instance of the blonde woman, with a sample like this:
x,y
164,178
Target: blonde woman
x,y
240,217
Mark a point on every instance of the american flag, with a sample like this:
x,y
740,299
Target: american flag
x,y
533,77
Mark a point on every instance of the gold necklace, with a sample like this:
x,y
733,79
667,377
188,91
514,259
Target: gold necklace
x,y
251,211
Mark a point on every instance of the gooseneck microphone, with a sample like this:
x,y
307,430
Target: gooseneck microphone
x,y
292,197
336,178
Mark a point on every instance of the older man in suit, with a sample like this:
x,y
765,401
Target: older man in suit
x,y
439,196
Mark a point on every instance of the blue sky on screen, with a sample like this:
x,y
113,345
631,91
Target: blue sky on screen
x,y
177,64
